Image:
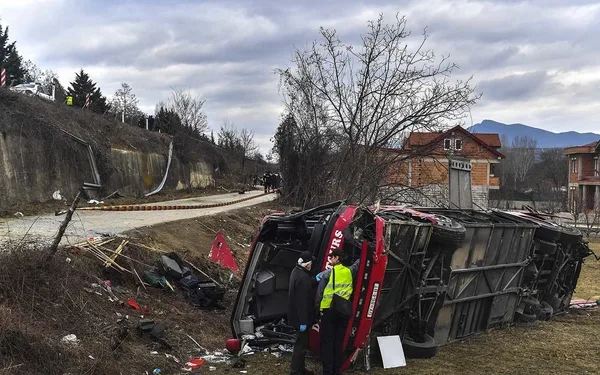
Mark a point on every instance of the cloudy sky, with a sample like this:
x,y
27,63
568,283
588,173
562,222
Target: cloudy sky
x,y
535,62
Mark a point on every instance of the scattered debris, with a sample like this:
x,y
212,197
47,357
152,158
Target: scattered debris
x,y
70,339
193,364
196,342
57,196
220,253
217,357
131,302
583,303
172,357
156,331
203,294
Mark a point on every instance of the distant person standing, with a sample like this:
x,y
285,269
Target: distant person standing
x,y
69,100
271,181
266,181
301,310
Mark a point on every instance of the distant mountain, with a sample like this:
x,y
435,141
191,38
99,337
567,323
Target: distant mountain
x,y
544,138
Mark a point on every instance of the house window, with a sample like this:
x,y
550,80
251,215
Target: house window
x,y
492,170
458,144
447,144
596,167
573,165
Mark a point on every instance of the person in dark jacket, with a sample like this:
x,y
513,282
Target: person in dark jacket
x,y
301,310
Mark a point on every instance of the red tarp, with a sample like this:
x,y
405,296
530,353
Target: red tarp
x,y
220,253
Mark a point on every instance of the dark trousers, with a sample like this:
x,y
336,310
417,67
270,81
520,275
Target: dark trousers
x,y
333,330
297,365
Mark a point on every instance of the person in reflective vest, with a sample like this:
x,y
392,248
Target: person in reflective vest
x,y
333,327
69,100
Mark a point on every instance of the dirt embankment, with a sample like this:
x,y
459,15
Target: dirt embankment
x,y
43,301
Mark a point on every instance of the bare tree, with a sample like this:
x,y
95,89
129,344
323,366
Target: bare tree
x,y
522,157
125,103
591,219
190,109
239,142
345,104
34,74
248,145
228,136
554,167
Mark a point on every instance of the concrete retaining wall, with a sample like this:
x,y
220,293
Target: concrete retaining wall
x,y
31,169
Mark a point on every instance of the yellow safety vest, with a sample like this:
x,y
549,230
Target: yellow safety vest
x,y
69,100
343,285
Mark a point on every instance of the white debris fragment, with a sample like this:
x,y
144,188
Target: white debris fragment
x,y
70,339
57,196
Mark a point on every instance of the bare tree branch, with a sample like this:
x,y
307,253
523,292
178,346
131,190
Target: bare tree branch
x,y
190,109
345,104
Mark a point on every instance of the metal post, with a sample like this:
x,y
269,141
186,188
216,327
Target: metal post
x,y
123,116
146,123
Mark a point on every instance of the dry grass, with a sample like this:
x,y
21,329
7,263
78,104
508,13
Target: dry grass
x,y
588,286
40,302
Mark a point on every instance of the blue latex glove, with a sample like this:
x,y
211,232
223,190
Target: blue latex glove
x,y
318,277
302,327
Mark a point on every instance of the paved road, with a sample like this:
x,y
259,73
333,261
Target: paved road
x,y
87,224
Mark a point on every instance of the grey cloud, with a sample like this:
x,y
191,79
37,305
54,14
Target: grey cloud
x,y
227,50
514,87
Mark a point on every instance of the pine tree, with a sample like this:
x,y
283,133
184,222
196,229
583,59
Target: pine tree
x,y
167,121
3,43
14,64
212,138
10,58
82,86
61,93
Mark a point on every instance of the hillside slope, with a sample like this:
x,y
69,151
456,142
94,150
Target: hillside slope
x,y
41,151
545,138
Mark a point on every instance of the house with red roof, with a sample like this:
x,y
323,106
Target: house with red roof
x,y
584,177
425,166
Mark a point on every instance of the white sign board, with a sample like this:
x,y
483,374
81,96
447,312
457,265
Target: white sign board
x,y
391,351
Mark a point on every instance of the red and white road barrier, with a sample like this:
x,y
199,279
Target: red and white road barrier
x,y
87,101
3,77
131,207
